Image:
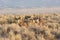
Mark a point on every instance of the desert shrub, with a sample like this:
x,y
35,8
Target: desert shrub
x,y
26,17
17,17
56,35
9,21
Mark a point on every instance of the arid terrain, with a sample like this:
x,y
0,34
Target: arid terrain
x,y
30,26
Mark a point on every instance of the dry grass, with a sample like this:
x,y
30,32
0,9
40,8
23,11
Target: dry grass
x,y
30,27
